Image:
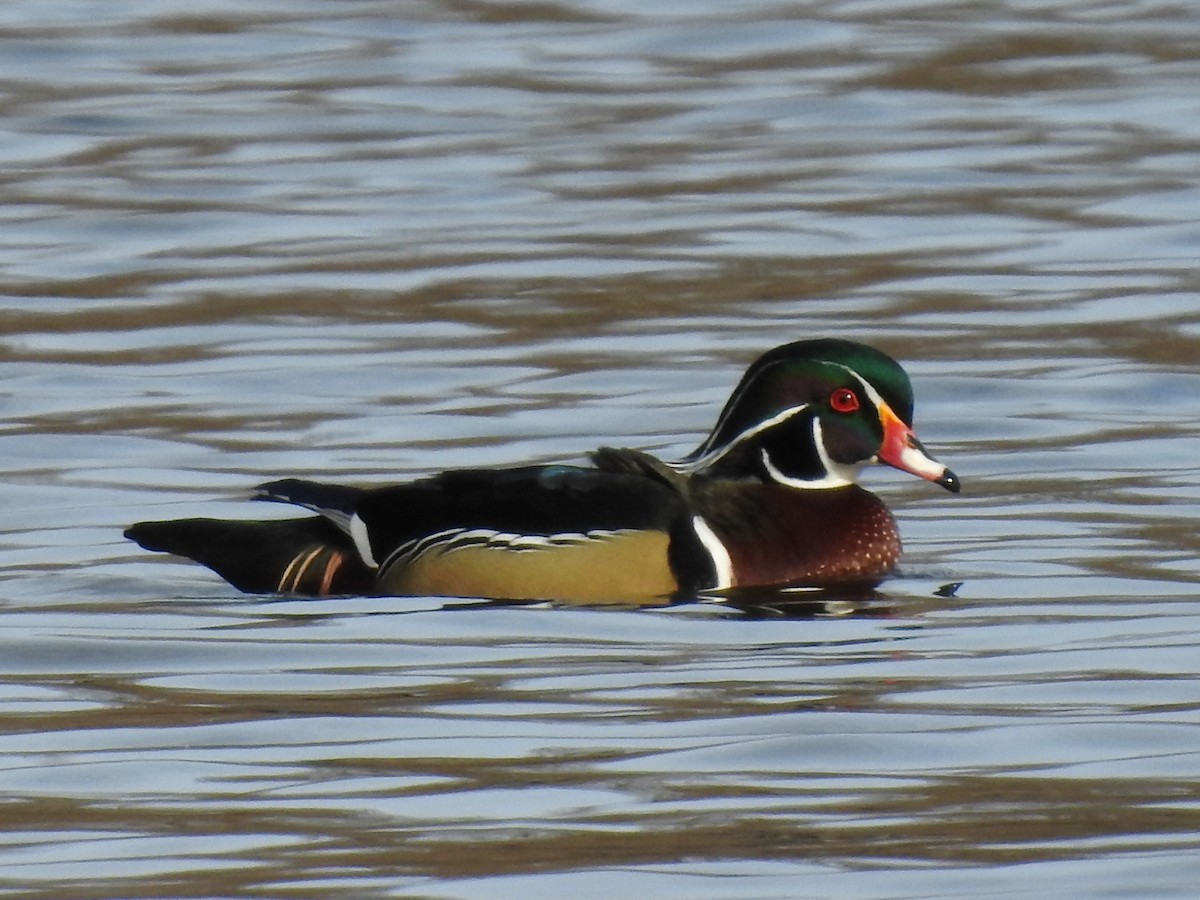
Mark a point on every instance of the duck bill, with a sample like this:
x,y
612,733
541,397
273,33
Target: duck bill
x,y
903,451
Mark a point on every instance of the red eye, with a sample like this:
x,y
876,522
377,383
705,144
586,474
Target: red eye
x,y
844,400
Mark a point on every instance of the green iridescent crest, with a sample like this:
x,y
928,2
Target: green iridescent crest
x,y
804,373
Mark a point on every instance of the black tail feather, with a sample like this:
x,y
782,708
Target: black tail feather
x,y
309,556
334,500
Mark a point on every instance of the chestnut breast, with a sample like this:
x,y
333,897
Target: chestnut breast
x,y
780,535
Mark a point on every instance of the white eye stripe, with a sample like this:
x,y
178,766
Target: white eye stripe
x,y
869,389
730,406
713,455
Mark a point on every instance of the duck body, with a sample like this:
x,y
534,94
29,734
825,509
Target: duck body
x,y
768,499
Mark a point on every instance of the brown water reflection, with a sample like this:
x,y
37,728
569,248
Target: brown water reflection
x,y
360,853
367,241
295,812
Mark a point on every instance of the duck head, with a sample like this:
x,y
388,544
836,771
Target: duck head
x,y
811,414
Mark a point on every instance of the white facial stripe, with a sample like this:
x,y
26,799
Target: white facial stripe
x,y
836,474
722,564
709,458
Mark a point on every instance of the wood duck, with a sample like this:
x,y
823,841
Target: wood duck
x,y
769,498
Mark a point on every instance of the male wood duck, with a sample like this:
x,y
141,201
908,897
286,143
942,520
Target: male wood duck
x,y
769,498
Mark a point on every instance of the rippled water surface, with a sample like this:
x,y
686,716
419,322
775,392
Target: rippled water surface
x,y
370,240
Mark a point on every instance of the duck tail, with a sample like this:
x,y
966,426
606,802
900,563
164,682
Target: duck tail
x,y
309,557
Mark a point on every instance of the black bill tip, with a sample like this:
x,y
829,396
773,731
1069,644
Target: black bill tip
x,y
949,481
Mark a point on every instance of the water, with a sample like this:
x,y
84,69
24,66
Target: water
x,y
366,241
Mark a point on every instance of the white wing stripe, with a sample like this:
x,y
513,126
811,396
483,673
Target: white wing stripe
x,y
455,539
357,529
722,564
